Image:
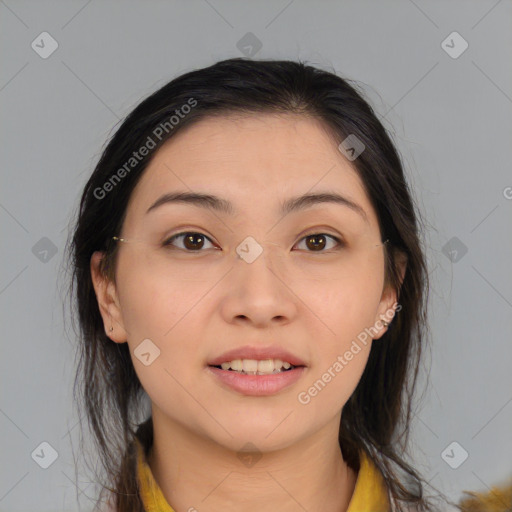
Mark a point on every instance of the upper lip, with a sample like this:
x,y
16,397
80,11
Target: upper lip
x,y
258,353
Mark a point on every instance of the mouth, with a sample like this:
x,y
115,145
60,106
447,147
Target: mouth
x,y
256,371
275,376
256,367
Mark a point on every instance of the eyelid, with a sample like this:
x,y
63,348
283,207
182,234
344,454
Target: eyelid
x,y
168,239
340,241
323,231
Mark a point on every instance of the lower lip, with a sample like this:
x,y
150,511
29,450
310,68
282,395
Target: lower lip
x,y
257,385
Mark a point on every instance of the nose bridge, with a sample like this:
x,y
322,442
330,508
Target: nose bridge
x,y
257,289
255,258
259,254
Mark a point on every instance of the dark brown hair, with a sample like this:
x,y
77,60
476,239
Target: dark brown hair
x,y
377,416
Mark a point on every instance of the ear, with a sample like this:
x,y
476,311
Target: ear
x,y
388,304
108,302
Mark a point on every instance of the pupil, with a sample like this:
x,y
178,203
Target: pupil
x,y
189,239
314,238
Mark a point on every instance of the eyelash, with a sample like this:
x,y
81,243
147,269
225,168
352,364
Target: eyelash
x,y
168,242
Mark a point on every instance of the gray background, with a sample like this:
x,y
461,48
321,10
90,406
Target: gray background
x,y
450,117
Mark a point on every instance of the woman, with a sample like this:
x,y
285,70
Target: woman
x,y
247,255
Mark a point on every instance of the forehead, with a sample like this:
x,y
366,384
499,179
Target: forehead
x,y
255,161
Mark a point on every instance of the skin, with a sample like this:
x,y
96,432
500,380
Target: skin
x,y
197,306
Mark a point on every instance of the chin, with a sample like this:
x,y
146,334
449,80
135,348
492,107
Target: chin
x,y
269,435
241,444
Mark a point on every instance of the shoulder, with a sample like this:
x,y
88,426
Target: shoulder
x,y
371,491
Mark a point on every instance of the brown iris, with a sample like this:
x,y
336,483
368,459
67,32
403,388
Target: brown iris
x,y
190,240
312,241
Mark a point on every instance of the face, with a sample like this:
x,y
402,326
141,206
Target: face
x,y
299,285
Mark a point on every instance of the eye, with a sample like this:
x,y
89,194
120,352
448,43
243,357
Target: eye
x,y
193,241
317,241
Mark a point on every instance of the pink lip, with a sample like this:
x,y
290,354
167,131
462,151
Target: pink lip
x,y
257,385
258,353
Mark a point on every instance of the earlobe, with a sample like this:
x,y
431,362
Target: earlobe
x,y
386,312
390,296
108,304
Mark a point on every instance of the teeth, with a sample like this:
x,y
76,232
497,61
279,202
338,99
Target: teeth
x,y
250,365
266,366
237,365
254,367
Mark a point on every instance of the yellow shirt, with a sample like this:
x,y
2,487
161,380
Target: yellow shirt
x,y
370,493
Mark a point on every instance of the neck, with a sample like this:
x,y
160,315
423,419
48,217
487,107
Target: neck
x,y
195,473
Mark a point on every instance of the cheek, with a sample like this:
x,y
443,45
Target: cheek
x,y
331,386
347,306
165,312
154,302
340,355
339,359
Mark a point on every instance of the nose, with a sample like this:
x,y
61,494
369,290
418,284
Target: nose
x,y
257,291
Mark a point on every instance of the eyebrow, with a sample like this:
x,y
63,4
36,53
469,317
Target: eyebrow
x,y
224,206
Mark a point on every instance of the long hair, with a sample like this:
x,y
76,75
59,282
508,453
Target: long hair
x,y
377,416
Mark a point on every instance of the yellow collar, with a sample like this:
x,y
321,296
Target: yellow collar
x,y
370,493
